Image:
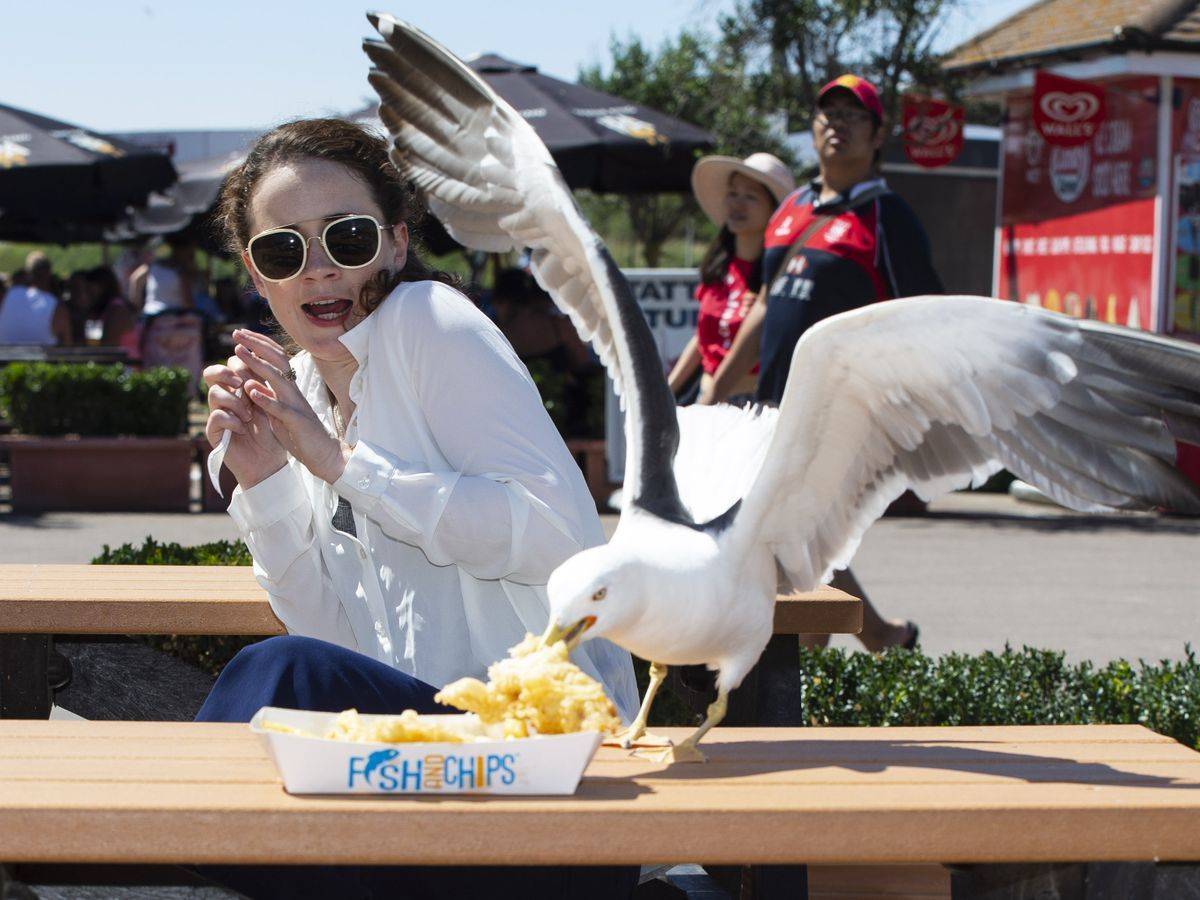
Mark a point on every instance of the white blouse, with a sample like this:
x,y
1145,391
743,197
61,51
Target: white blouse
x,y
465,499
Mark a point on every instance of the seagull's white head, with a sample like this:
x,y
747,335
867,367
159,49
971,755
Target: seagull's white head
x,y
595,593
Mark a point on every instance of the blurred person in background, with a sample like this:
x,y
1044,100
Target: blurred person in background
x,y
31,313
120,320
837,244
548,344
168,283
131,258
77,298
739,197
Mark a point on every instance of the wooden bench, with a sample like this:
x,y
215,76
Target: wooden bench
x,y
39,601
1017,802
38,353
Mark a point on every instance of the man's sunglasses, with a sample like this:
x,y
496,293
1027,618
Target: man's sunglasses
x,y
351,242
844,116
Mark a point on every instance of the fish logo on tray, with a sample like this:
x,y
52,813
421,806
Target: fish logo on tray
x,y
385,770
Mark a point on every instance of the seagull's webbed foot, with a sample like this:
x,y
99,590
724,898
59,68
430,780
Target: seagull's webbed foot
x,y
635,734
687,751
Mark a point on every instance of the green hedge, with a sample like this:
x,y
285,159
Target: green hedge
x,y
94,400
1014,687
899,687
208,652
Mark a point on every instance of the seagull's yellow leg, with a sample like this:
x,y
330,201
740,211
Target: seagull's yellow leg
x,y
688,751
636,732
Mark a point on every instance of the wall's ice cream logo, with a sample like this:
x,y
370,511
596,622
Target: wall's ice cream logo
x,y
384,770
1069,169
1065,111
12,153
933,131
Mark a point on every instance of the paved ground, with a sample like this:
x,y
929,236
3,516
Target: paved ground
x,y
979,570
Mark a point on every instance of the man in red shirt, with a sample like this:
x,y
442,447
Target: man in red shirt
x,y
858,243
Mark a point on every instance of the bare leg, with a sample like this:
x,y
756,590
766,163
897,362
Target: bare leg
x,y
636,732
878,633
688,751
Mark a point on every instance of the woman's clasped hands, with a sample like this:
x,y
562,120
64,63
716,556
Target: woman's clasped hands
x,y
253,397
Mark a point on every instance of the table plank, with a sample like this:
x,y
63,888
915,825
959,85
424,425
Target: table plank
x,y
82,599
171,792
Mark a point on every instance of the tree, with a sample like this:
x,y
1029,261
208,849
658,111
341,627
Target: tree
x,y
766,66
796,46
689,79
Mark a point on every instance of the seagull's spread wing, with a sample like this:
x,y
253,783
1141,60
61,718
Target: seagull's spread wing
x,y
492,183
936,393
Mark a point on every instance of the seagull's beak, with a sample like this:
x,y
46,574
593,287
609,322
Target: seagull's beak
x,y
570,636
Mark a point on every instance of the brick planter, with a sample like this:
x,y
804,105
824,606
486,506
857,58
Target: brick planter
x,y
99,474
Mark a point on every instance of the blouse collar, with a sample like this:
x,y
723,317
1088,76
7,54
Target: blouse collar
x,y
358,338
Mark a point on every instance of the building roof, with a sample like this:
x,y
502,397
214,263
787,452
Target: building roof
x,y
1075,28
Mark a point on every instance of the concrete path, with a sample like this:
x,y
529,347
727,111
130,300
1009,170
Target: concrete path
x,y
979,570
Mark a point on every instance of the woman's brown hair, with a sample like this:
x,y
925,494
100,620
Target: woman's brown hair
x,y
360,151
715,262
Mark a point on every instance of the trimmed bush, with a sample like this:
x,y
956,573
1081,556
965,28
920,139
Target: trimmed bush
x,y
50,399
1014,687
152,553
899,687
208,652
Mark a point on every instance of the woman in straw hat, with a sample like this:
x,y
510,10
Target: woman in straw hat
x,y
739,197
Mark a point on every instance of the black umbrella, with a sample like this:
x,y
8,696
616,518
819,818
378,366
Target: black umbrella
x,y
187,206
600,142
52,173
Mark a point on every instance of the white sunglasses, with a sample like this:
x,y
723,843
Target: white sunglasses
x,y
351,242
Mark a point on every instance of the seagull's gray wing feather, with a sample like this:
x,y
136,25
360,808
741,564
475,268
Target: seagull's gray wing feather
x,y
938,393
492,183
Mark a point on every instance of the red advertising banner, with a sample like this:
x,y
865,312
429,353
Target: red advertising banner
x,y
1094,265
933,131
1067,113
1077,223
1044,181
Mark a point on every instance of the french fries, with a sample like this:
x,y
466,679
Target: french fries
x,y
537,690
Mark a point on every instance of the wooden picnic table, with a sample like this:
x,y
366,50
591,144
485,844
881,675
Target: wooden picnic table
x,y
39,601
40,353
82,599
158,792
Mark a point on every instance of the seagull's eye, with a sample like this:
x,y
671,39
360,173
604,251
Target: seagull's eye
x,y
600,594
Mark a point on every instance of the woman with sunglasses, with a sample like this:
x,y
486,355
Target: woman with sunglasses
x,y
401,488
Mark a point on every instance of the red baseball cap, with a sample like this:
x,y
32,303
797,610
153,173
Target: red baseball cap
x,y
864,92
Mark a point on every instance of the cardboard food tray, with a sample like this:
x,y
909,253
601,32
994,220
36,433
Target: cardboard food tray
x,y
546,764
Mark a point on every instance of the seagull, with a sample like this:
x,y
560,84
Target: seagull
x,y
928,393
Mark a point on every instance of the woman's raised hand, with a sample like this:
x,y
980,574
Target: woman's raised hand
x,y
254,452
293,421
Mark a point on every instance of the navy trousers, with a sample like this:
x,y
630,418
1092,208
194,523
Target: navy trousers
x,y
304,673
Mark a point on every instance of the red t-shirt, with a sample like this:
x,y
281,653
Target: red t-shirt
x,y
723,306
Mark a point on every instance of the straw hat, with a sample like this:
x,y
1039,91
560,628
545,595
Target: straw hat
x,y
710,180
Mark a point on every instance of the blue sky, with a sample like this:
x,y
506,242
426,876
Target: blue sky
x,y
126,65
